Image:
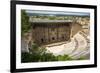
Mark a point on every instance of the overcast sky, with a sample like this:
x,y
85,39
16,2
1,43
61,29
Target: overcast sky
x,y
57,13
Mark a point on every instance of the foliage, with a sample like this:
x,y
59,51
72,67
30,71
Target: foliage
x,y
52,18
63,57
81,58
25,25
38,54
25,57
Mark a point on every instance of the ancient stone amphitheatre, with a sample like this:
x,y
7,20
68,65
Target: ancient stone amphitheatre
x,y
79,46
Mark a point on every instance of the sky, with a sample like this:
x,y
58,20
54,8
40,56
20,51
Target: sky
x,y
41,12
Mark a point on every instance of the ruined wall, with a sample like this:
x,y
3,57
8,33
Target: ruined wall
x,y
26,41
76,27
50,33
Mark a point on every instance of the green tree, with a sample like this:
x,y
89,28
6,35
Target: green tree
x,y
64,58
39,54
25,25
81,58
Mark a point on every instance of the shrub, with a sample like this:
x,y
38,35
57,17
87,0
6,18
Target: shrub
x,y
40,55
81,58
64,58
